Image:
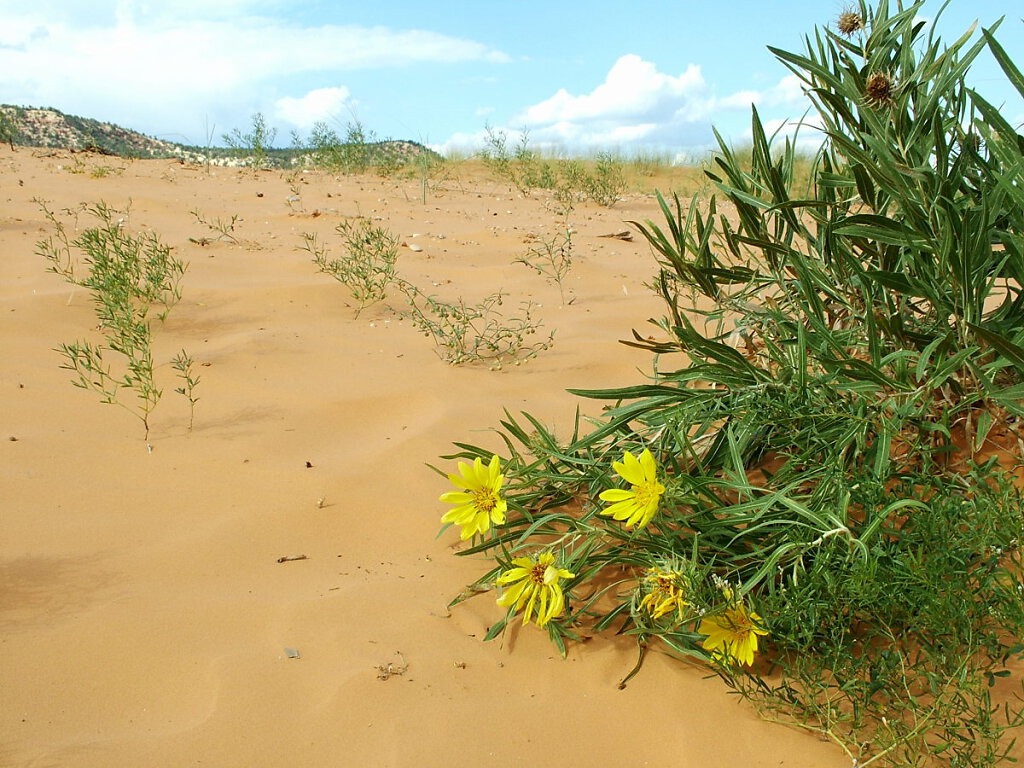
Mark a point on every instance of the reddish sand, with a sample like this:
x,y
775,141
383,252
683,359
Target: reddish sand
x,y
143,614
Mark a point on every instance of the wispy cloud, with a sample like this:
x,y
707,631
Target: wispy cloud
x,y
163,63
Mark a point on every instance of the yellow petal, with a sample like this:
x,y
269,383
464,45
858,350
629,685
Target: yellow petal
x,y
459,515
630,470
622,510
647,465
616,494
557,599
494,473
511,595
513,574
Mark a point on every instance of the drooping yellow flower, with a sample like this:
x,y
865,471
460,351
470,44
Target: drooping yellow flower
x,y
664,593
479,503
639,504
732,634
536,584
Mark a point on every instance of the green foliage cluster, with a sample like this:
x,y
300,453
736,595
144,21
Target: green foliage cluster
x,y
9,131
526,170
256,144
127,276
850,347
368,267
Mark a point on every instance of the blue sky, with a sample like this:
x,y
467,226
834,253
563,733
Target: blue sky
x,y
580,75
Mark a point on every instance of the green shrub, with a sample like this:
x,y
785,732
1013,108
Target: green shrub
x,y
813,483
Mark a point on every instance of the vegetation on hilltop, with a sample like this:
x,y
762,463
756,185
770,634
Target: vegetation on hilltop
x,y
49,127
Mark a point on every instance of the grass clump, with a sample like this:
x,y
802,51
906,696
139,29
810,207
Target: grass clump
x,y
128,277
816,499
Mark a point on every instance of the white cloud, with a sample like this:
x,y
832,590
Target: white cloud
x,y
787,92
632,88
137,59
638,104
318,104
635,103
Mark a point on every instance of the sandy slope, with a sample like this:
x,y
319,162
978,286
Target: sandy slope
x,y
143,614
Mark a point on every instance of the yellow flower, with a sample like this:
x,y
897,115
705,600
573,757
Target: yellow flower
x,y
732,635
664,594
479,503
637,505
536,585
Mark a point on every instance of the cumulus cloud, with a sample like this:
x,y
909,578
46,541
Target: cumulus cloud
x,y
638,104
632,87
318,104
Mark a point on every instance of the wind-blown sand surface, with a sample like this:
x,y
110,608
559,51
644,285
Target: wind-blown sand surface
x,y
143,614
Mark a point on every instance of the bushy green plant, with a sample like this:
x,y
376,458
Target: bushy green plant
x,y
355,153
127,276
807,500
368,267
607,181
255,144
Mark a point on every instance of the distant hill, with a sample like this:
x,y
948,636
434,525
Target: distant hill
x,y
48,127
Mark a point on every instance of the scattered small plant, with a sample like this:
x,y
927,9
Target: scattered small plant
x,y
607,182
102,171
815,502
225,228
351,154
127,276
183,364
520,166
368,267
294,200
475,333
551,258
